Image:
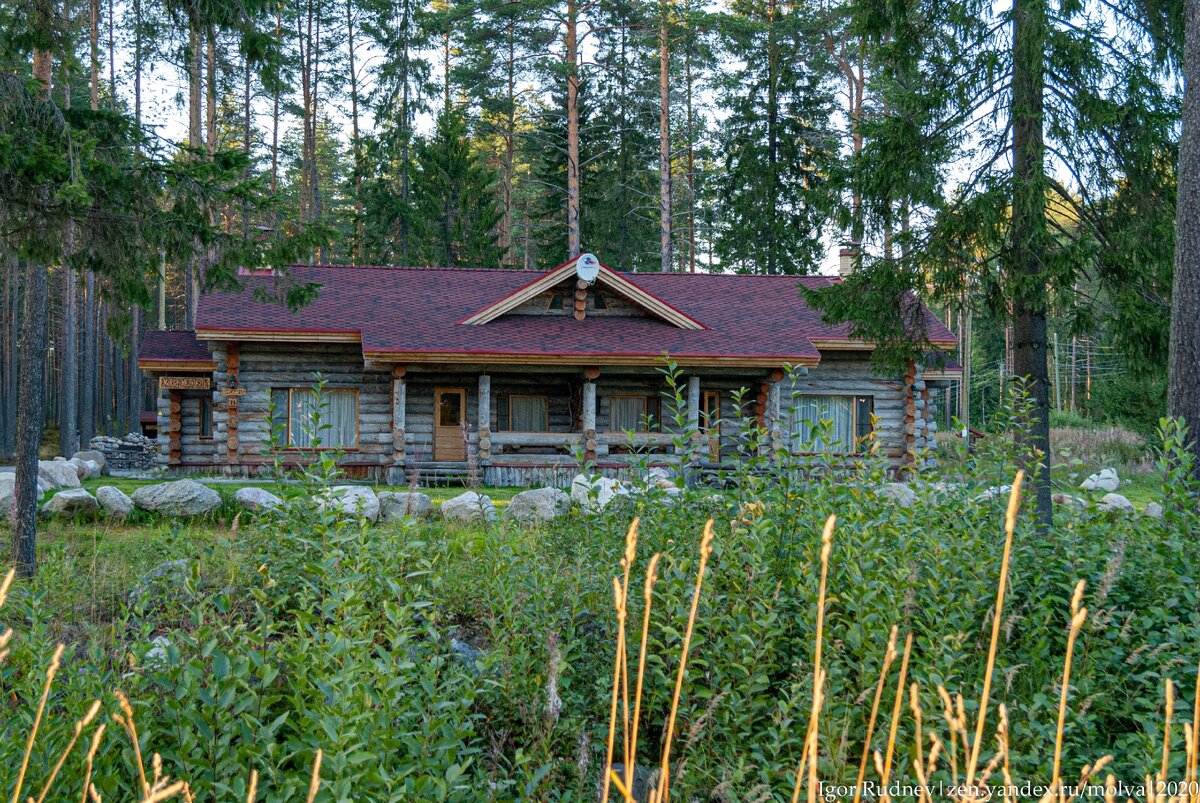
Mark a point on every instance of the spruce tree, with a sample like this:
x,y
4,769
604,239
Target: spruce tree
x,y
775,199
454,193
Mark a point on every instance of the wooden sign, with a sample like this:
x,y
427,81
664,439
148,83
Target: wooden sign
x,y
233,392
184,382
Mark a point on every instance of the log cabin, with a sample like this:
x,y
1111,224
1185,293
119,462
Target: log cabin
x,y
522,376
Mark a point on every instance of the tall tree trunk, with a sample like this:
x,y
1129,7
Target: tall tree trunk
x,y
1183,392
664,139
358,254
510,135
31,405
1029,239
8,355
572,64
194,267
68,419
691,150
772,135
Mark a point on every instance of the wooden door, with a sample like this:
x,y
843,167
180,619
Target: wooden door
x,y
449,415
710,416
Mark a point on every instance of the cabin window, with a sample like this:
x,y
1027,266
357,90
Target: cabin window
x,y
295,411
206,417
848,423
555,304
627,413
599,301
522,413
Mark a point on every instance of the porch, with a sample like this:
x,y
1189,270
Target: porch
x,y
516,427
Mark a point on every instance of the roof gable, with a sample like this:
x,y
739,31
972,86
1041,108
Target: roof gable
x,y
607,278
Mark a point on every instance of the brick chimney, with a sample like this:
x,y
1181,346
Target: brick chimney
x,y
847,258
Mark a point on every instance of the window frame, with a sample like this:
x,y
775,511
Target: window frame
x,y
648,400
859,440
508,397
201,403
287,435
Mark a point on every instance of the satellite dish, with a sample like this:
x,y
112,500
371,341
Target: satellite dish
x,y
587,267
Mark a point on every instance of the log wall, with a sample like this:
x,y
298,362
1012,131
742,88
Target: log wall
x,y
903,407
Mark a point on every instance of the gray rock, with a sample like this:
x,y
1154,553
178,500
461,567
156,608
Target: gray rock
x,y
1067,499
645,781
256,499
58,473
1153,509
93,469
537,506
157,657
899,493
179,498
352,500
469,507
1115,502
79,466
996,491
8,484
405,505
1104,480
466,653
95,455
593,495
70,502
114,501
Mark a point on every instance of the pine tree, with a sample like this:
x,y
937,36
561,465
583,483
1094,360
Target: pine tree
x,y
1073,100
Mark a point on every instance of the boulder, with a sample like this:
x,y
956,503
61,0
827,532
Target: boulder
x,y
645,783
70,502
8,484
95,455
1115,502
158,656
899,493
1104,480
595,495
537,506
660,477
114,501
58,473
995,491
1067,499
179,498
351,500
256,499
86,469
1153,509
404,505
80,468
469,507
464,652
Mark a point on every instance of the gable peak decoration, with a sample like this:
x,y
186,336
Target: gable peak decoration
x,y
589,272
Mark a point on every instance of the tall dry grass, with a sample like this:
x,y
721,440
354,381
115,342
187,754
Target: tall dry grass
x,y
153,787
961,748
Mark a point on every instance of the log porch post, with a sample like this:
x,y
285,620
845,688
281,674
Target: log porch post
x,y
774,419
589,413
693,415
485,419
233,362
399,404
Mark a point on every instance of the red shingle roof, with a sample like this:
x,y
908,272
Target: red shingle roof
x,y
172,345
419,310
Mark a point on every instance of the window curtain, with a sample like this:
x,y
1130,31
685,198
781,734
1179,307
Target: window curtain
x,y
298,407
528,414
626,413
809,433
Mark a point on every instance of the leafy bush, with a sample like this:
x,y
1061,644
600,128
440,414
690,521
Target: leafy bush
x,y
434,662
